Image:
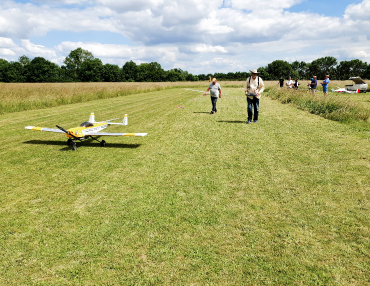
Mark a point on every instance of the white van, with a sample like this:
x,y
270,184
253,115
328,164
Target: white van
x,y
360,84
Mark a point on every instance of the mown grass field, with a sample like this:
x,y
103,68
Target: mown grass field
x,y
203,199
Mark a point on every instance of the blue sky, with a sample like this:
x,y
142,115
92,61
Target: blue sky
x,y
327,8
225,36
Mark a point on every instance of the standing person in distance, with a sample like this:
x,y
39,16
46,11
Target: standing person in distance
x,y
296,84
254,86
289,83
215,91
313,84
325,85
309,84
281,82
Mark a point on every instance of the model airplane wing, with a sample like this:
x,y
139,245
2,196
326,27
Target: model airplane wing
x,y
44,129
117,134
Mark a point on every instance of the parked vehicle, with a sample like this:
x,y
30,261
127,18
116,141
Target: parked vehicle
x,y
359,86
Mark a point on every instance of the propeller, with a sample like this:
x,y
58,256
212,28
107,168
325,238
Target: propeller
x,y
69,133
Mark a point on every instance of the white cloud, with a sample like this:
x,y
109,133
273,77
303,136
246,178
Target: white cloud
x,y
127,53
37,50
124,6
202,48
67,2
195,33
6,43
358,11
154,22
6,52
27,20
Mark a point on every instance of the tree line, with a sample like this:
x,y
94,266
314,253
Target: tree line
x,y
81,66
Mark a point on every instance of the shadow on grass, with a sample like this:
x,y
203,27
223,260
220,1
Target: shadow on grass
x,y
232,121
82,144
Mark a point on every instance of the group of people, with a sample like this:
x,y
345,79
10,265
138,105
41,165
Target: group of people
x,y
289,83
254,86
311,85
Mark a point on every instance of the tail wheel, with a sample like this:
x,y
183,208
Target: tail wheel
x,y
74,146
69,142
103,143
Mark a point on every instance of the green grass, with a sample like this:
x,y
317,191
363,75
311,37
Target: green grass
x,y
203,199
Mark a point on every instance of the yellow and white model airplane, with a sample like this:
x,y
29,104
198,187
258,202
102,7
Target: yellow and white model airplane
x,y
87,130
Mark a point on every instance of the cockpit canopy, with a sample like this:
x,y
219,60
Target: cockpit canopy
x,y
86,124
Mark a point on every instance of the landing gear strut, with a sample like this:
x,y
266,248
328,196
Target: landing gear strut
x,y
102,143
71,142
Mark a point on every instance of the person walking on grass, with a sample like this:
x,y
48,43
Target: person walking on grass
x,y
325,85
215,91
254,86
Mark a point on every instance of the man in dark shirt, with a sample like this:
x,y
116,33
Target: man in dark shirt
x,y
296,83
281,81
313,85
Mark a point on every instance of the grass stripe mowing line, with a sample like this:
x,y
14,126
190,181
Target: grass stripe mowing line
x,y
202,199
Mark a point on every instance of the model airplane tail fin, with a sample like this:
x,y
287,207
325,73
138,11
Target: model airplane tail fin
x,y
124,121
92,118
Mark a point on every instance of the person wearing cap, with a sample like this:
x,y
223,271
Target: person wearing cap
x,y
313,84
254,86
215,91
289,83
325,85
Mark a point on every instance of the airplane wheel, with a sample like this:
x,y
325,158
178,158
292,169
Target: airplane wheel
x,y
69,142
74,146
103,143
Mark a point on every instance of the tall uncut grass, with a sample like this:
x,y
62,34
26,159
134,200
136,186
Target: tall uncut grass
x,y
16,97
26,96
333,106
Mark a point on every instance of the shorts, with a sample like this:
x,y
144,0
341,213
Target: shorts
x,y
325,89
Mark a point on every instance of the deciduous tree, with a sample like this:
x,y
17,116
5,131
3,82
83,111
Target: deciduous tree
x,y
41,70
129,71
276,69
74,60
91,70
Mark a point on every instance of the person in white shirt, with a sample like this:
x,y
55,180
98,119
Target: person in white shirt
x,y
215,91
254,86
289,83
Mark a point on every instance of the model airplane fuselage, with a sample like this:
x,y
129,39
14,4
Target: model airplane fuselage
x,y
344,90
87,130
